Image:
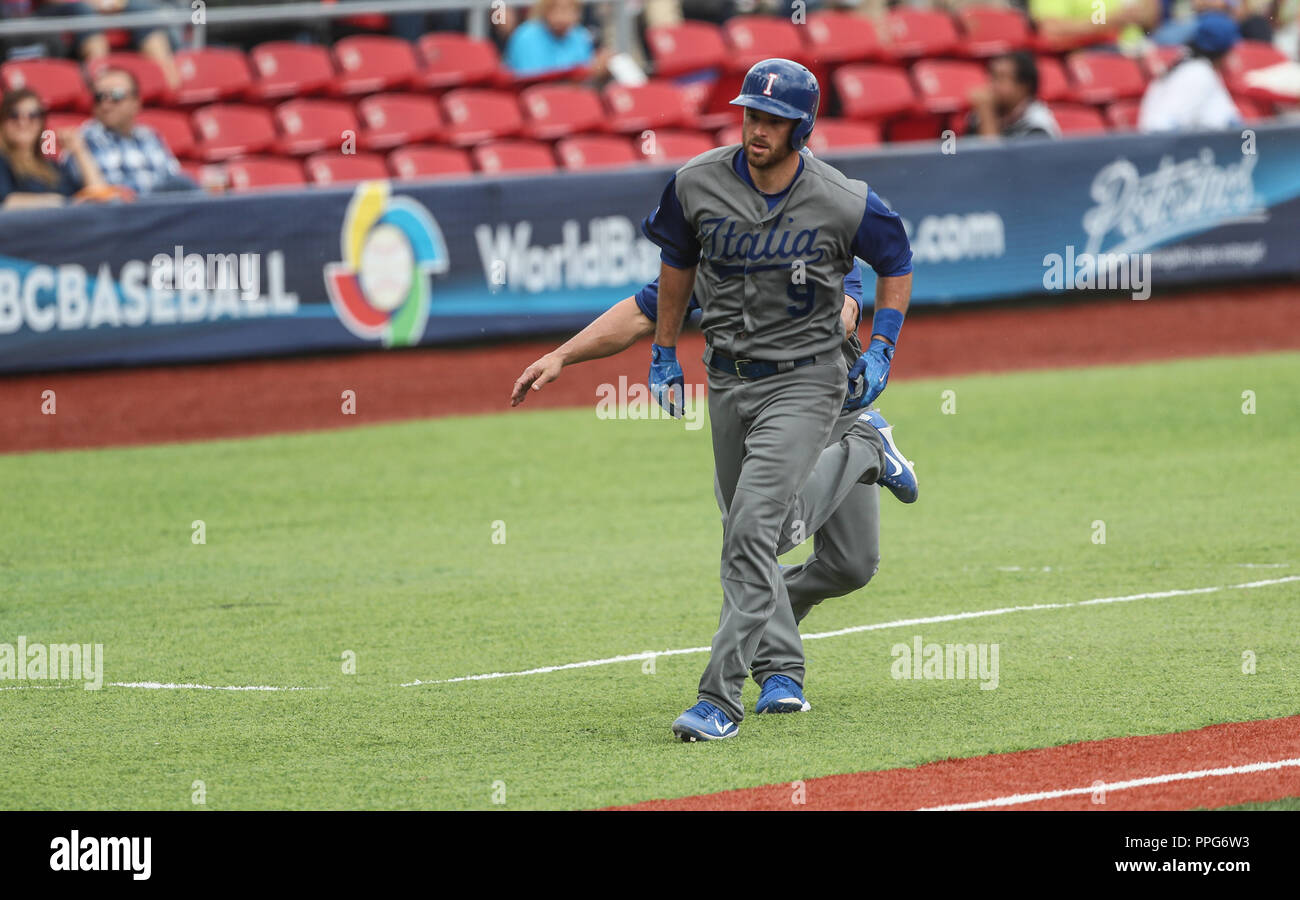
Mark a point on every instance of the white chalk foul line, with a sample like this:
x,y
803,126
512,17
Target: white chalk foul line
x,y
878,626
1017,799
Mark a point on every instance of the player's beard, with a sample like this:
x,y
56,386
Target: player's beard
x,y
774,156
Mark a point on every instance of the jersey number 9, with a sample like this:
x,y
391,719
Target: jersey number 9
x,y
803,296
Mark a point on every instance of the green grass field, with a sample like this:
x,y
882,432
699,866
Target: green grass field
x,y
379,541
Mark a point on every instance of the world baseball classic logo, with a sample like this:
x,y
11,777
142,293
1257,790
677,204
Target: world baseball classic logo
x,y
391,248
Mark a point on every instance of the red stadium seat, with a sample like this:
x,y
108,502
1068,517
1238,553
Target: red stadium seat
x,y
1253,110
1122,115
913,33
916,127
212,74
992,30
457,60
149,77
1045,44
518,82
230,129
674,146
655,104
343,168
695,94
595,151
832,38
555,110
513,156
480,114
751,39
1052,83
58,82
249,173
687,47
944,85
287,69
732,134
310,126
173,126
391,120
1246,57
410,163
1157,60
369,62
873,92
835,135
1077,119
717,110
1101,77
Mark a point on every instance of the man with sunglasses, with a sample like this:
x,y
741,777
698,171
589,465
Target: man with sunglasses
x,y
129,154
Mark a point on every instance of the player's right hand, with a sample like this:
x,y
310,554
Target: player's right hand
x,y
667,383
544,370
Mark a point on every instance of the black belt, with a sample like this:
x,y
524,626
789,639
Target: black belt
x,y
751,369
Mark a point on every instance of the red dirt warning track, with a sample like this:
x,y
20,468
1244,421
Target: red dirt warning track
x,y
984,778
200,402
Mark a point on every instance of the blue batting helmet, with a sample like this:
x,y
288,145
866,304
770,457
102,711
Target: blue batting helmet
x,y
783,88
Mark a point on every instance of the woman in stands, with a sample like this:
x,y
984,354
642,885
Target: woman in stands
x,y
27,178
553,40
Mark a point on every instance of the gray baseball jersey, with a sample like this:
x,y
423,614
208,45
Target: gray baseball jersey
x,y
772,266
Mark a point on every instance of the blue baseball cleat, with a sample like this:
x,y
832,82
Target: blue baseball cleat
x,y
781,695
704,722
900,476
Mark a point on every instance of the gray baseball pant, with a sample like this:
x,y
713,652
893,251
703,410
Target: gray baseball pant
x,y
843,515
768,435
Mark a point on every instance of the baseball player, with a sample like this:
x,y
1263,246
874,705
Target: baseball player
x,y
764,236
842,512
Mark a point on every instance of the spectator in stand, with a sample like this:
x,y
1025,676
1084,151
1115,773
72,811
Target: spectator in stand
x,y
1286,18
27,178
154,42
1191,96
1008,106
1073,22
129,154
553,39
1179,19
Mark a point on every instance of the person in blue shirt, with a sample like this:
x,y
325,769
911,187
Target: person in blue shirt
x,y
553,39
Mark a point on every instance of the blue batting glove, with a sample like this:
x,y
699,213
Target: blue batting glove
x,y
666,374
869,375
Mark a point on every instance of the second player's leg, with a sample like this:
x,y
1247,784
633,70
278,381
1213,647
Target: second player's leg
x,y
844,514
846,553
